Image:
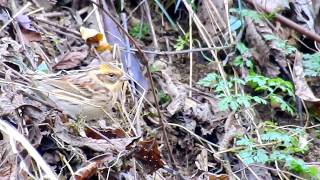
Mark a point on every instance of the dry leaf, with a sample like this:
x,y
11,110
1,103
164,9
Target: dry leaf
x,y
95,38
273,5
264,51
87,171
111,133
70,60
303,13
103,47
29,33
148,154
91,35
303,90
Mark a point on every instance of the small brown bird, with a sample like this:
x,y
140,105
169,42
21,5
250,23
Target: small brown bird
x,y
89,93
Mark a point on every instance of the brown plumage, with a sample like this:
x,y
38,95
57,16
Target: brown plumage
x,y
89,93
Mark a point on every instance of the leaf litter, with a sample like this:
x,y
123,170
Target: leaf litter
x,y
192,137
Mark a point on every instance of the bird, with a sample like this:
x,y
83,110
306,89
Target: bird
x,y
90,93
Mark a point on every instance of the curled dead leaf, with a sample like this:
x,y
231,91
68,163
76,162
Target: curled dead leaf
x,y
87,171
90,35
95,38
303,90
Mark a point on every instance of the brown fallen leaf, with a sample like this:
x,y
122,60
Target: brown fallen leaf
x,y
265,51
87,171
111,133
219,177
148,154
303,90
70,60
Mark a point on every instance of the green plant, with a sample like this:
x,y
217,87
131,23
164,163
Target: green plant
x,y
244,59
154,68
254,15
233,101
273,87
139,31
257,82
311,64
281,44
286,144
182,42
163,98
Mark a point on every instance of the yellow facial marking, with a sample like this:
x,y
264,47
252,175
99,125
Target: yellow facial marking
x,y
105,68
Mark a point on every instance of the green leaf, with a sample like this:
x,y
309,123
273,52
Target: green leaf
x,y
259,100
313,171
249,64
311,64
233,105
281,44
238,61
258,79
247,156
163,98
244,100
261,156
285,86
244,142
278,155
238,81
242,48
235,23
154,69
182,42
209,81
139,31
221,86
276,136
296,165
254,15
283,105
227,102
43,68
264,88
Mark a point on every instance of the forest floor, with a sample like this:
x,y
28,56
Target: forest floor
x,y
163,89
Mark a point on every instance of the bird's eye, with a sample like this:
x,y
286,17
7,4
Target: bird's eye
x,y
111,75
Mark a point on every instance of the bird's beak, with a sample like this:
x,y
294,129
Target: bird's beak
x,y
124,78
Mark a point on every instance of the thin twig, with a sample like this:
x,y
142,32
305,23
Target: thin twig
x,y
76,33
153,33
166,53
249,168
190,54
15,15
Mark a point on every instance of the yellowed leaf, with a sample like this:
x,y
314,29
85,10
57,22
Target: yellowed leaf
x,y
95,38
103,46
90,35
